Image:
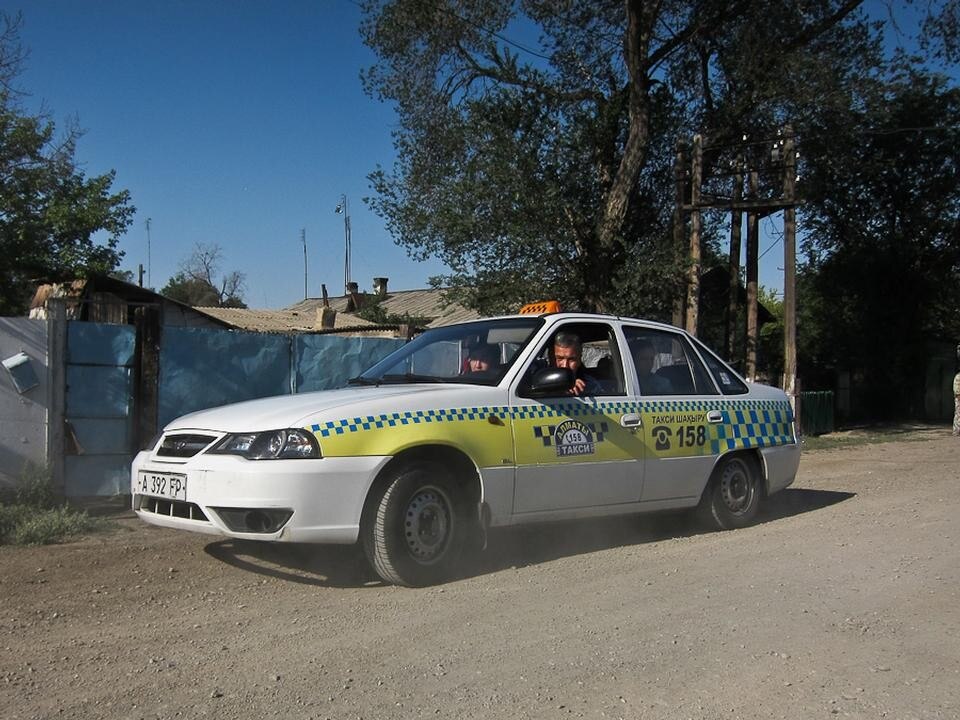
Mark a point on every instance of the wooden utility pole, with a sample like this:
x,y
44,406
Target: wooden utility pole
x,y
747,166
303,239
753,245
736,223
693,278
679,229
789,267
57,382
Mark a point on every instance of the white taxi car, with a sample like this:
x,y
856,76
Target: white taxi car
x,y
472,426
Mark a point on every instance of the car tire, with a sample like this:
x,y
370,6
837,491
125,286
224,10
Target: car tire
x,y
415,527
732,497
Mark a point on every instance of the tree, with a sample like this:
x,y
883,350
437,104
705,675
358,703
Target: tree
x,y
882,278
770,339
49,210
549,171
195,284
372,309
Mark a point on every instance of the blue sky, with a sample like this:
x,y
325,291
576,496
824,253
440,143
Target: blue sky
x,y
234,122
231,122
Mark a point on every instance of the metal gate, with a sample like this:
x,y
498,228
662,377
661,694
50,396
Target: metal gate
x,y
98,432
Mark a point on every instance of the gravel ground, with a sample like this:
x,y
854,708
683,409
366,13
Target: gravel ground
x,y
843,601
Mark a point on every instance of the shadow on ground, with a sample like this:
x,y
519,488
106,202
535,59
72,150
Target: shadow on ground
x,y
324,565
345,566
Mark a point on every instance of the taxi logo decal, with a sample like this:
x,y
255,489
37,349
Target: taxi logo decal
x,y
572,438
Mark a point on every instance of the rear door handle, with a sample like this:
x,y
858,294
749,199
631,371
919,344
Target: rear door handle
x,y
714,416
630,421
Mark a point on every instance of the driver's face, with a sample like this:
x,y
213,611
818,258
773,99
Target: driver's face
x,y
566,357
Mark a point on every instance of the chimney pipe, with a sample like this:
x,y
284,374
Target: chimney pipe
x,y
380,286
354,299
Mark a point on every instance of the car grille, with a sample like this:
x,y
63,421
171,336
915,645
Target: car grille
x,y
171,508
184,446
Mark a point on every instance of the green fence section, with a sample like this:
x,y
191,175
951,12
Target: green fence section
x,y
816,412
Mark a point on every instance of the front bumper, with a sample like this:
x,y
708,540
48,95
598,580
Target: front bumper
x,y
309,501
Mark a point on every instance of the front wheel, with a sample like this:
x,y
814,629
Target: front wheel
x,y
732,498
414,529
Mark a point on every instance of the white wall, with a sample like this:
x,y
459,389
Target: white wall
x,y
23,418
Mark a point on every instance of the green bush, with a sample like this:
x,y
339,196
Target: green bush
x,y
34,518
35,489
43,527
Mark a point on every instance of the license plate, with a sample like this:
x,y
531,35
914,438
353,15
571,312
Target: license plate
x,y
165,485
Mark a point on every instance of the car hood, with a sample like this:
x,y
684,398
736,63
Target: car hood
x,y
300,410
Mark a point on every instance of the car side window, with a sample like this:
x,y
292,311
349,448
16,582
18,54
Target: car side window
x,y
726,378
665,364
600,359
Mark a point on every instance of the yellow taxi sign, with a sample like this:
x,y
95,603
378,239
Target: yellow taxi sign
x,y
540,308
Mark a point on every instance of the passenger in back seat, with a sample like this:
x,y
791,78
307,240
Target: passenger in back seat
x,y
643,357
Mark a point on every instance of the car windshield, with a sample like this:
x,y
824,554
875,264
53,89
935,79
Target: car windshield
x,y
479,353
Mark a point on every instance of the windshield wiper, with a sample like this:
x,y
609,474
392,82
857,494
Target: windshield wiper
x,y
412,378
364,381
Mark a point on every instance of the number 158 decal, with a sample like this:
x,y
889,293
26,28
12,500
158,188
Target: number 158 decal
x,y
685,436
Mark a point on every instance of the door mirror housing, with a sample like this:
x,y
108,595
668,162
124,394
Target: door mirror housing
x,y
550,381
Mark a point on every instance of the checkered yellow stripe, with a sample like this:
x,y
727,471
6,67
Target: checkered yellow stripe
x,y
754,427
414,417
745,423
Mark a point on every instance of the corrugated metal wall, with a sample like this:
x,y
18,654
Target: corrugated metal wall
x,y
23,415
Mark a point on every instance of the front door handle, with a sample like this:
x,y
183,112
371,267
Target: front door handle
x,y
631,420
714,416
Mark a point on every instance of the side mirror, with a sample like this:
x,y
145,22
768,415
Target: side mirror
x,y
551,381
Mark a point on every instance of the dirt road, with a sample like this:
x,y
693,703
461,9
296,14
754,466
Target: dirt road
x,y
844,601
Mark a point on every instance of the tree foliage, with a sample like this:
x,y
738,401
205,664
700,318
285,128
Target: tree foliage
x,y
882,206
544,168
196,281
372,309
51,213
549,171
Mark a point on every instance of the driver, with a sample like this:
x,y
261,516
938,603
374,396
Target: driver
x,y
568,353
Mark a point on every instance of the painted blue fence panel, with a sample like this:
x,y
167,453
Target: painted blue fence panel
x,y
103,475
202,368
324,362
100,344
99,407
98,392
105,436
199,368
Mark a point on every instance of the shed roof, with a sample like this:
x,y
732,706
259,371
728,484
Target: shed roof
x,y
287,320
427,303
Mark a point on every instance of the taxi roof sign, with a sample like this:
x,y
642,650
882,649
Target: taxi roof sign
x,y
540,308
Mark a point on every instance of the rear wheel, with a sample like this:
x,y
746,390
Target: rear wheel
x,y
732,498
415,528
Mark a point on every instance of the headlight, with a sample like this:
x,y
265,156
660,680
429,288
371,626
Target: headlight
x,y
271,445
